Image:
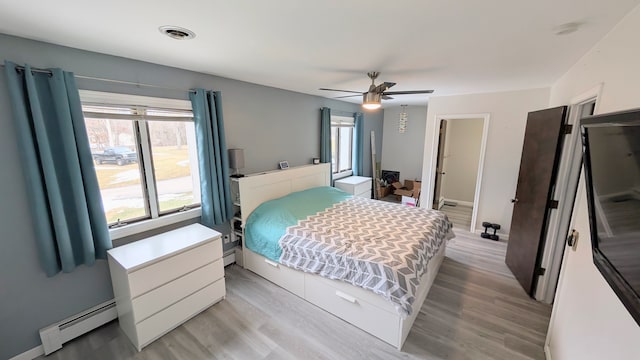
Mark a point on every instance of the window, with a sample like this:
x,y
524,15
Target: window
x,y
342,144
145,155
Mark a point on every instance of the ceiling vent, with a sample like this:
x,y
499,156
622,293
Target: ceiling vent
x,y
177,33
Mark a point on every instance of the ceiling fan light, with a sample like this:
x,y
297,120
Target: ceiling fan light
x,y
371,101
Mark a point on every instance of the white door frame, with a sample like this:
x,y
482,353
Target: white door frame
x,y
434,153
567,181
561,278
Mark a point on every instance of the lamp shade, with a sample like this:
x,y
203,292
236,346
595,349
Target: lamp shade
x,y
371,100
236,158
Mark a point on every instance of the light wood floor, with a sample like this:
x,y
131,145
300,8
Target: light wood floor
x,y
459,215
475,310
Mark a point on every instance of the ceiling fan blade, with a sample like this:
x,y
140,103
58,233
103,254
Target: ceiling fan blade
x,y
386,97
384,86
346,96
407,92
349,91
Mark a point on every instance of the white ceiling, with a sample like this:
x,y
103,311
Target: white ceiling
x,y
451,46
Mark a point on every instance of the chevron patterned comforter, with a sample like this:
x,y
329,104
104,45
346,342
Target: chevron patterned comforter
x,y
376,245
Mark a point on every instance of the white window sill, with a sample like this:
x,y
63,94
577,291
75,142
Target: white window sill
x,y
342,175
151,224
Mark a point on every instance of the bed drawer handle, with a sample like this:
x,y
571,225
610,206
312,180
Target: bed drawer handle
x,y
344,296
272,263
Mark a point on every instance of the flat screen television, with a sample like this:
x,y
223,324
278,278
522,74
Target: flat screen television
x,y
611,155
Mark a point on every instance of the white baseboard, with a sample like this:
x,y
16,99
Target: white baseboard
x,y
30,354
459,202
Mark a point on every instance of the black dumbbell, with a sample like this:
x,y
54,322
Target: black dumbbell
x,y
486,234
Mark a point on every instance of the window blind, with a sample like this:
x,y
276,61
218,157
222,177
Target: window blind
x,y
343,121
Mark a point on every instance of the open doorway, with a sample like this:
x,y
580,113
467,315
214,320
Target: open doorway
x,y
460,145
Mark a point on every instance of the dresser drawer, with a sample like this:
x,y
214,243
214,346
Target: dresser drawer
x,y
277,273
356,291
350,307
152,276
365,194
166,320
155,300
364,187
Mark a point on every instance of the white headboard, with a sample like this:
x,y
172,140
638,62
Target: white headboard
x,y
258,188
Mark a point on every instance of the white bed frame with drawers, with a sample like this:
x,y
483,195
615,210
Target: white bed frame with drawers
x,y
362,308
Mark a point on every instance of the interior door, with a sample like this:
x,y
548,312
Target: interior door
x,y
439,165
538,169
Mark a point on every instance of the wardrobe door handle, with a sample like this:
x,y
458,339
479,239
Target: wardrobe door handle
x,y
514,200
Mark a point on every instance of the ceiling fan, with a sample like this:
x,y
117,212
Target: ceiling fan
x,y
371,99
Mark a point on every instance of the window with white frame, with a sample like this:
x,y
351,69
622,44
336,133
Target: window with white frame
x,y
145,155
342,144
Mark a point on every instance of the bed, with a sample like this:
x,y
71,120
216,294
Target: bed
x,y
382,308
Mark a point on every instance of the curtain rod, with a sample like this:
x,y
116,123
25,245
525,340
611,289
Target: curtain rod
x,y
123,82
342,112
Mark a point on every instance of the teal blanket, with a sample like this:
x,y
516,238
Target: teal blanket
x,y
268,222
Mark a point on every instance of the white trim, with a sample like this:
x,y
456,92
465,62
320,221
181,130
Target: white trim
x,y
342,175
30,354
152,224
547,352
143,143
593,93
483,149
459,202
147,164
560,218
428,195
561,278
102,97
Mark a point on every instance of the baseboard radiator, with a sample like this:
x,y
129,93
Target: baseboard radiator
x,y
55,335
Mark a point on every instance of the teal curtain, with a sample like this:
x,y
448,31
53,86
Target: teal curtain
x,y
358,145
325,139
212,157
62,185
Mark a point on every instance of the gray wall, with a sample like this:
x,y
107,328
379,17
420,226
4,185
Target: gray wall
x,y
404,152
270,124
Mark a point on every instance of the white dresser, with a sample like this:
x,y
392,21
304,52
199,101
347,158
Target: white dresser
x,y
355,185
164,280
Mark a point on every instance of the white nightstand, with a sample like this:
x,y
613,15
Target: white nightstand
x,y
356,185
